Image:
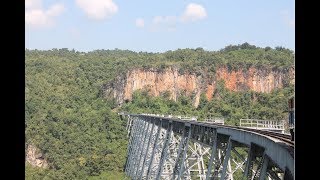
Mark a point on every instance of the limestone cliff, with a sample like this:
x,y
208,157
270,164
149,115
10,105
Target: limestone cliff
x,y
35,157
191,84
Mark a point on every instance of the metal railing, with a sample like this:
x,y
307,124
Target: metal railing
x,y
216,120
169,148
194,118
262,124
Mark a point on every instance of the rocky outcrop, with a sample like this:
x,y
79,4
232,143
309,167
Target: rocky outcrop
x,y
35,157
261,80
191,84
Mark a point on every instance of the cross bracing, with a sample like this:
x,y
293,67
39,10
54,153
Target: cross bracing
x,y
167,148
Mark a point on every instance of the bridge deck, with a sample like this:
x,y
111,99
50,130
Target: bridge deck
x,y
278,147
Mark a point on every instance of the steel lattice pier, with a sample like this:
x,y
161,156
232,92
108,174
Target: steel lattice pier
x,y
165,148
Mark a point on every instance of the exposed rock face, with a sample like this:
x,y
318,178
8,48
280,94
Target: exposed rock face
x,y
35,158
256,80
190,84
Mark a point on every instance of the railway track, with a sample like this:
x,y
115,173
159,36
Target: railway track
x,y
288,144
283,137
286,139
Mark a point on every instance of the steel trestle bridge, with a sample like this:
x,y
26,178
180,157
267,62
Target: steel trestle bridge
x,y
170,148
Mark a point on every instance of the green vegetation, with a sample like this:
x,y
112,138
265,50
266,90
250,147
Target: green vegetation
x,y
233,106
65,117
79,131
110,175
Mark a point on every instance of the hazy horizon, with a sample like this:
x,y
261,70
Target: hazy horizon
x,y
214,50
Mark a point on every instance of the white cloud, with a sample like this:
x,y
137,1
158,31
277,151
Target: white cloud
x,y
98,9
165,20
55,10
288,19
194,12
292,23
140,22
167,23
33,4
37,17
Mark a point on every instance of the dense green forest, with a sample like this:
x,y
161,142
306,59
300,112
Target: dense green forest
x,y
232,106
79,131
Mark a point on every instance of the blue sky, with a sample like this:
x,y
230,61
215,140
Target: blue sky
x,y
158,26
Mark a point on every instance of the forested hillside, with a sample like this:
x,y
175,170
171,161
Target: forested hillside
x,y
78,130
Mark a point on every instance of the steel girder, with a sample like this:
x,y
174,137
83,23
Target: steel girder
x,y
160,148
